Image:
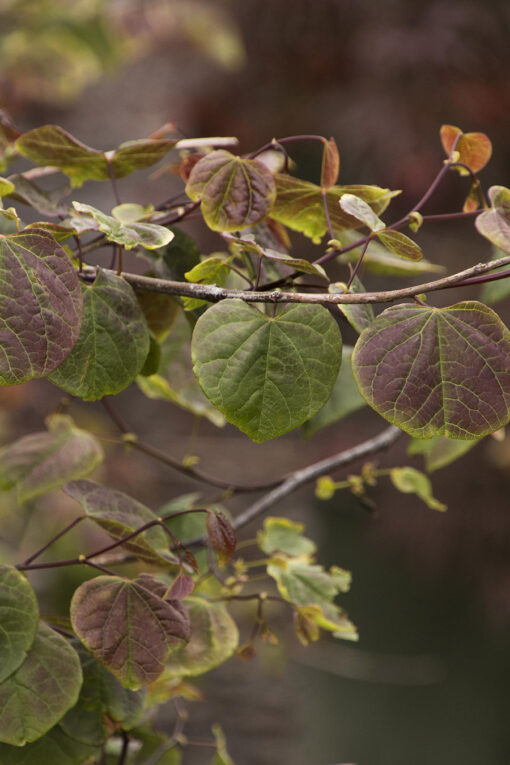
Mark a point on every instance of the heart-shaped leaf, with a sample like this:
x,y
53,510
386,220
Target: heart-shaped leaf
x,y
266,375
411,481
283,535
38,694
119,515
113,344
233,192
43,461
437,371
40,306
19,617
475,149
299,205
128,626
214,638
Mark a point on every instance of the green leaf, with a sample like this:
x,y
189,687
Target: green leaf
x,y
494,224
119,515
221,757
493,292
160,311
248,243
411,481
6,187
379,260
299,205
400,244
283,535
38,694
344,399
52,145
40,306
361,315
175,381
129,212
266,375
102,699
148,235
214,638
211,270
19,617
439,451
475,149
48,203
360,210
181,255
129,626
55,747
437,371
113,344
43,461
308,584
234,192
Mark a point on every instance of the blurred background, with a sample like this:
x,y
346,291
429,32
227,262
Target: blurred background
x,y
428,681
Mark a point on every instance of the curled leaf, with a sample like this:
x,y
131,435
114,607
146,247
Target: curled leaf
x,y
221,535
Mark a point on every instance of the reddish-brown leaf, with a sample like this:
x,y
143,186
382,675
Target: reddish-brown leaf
x,y
221,535
330,164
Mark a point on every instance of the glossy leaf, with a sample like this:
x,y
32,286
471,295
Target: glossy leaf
x,y
330,164
119,515
214,638
55,747
308,584
38,694
19,617
234,192
411,481
40,306
284,535
148,235
266,375
344,399
39,462
475,149
359,209
299,205
128,626
439,451
113,344
175,381
361,315
400,244
103,701
437,371
494,224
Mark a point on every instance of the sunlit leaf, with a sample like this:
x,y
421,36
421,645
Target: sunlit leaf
x,y
128,626
38,694
299,205
119,515
344,399
359,209
211,270
233,192
214,638
400,244
175,381
266,375
475,149
284,535
330,164
39,462
113,344
40,306
148,235
439,451
129,212
19,617
6,187
437,371
411,481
